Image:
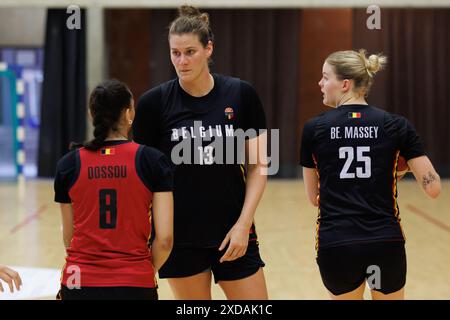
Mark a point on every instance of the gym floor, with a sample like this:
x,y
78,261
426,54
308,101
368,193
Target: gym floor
x,y
31,241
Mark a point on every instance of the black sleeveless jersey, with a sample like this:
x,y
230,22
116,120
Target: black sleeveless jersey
x,y
355,150
199,135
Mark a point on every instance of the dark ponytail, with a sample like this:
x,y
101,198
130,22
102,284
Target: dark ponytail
x,y
106,103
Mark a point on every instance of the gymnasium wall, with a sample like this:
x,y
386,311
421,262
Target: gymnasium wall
x,y
227,3
281,52
259,46
22,26
415,83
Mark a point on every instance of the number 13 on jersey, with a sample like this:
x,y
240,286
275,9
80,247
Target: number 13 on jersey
x,y
206,155
349,154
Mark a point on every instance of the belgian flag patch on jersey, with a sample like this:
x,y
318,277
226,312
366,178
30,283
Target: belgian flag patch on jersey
x,y
354,115
107,151
229,113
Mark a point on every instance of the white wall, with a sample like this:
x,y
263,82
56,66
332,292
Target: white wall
x,y
230,3
22,26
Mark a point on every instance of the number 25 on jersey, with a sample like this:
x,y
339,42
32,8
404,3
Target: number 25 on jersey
x,y
348,153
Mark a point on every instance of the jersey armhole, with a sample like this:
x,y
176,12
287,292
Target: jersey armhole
x,y
137,164
77,170
390,125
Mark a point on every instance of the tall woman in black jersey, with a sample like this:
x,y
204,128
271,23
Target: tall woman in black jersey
x,y
350,156
215,199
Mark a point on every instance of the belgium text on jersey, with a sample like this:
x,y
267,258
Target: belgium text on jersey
x,y
208,145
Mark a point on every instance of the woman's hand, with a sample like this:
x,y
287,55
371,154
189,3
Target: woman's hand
x,y
11,277
238,239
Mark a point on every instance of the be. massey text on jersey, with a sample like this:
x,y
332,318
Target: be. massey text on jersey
x,y
354,132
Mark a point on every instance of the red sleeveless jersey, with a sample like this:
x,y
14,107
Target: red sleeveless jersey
x,y
111,212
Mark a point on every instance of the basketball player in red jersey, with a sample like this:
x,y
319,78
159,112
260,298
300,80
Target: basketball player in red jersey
x,y
106,189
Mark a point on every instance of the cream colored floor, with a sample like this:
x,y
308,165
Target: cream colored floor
x,y
285,223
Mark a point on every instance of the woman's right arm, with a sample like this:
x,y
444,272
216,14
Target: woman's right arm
x,y
426,176
156,173
163,224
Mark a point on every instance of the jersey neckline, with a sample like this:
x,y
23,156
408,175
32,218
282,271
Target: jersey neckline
x,y
200,104
353,105
114,142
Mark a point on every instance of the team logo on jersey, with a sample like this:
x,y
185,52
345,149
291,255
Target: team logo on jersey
x,y
107,151
354,115
229,113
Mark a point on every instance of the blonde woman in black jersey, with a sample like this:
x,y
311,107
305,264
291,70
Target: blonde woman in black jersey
x,y
350,156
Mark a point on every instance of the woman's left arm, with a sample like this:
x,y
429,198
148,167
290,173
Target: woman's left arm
x,y
256,180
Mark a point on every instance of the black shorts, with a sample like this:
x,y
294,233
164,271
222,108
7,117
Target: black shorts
x,y
345,268
185,262
107,293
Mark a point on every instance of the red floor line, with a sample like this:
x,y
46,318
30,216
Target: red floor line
x,y
29,219
428,217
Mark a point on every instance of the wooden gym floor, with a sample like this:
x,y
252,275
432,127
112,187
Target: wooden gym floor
x,y
30,236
